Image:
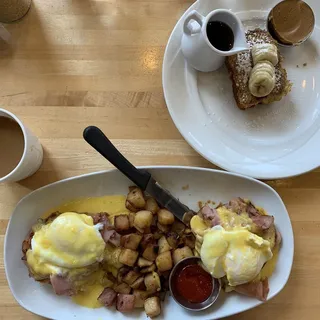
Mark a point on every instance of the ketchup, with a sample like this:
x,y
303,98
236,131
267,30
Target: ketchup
x,y
194,284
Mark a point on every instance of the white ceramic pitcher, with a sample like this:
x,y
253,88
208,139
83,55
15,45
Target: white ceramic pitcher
x,y
196,47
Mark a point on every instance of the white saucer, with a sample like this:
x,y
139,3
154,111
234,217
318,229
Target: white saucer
x,y
266,142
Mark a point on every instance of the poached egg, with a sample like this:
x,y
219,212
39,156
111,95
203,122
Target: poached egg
x,y
69,244
237,254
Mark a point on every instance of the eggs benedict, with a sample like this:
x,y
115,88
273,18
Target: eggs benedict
x,y
238,243
66,250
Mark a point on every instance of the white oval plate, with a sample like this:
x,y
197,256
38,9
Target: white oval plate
x,y
204,184
267,142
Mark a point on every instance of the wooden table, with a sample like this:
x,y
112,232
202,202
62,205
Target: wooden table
x,y
82,62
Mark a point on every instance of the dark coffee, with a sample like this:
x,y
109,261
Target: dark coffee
x,y
220,35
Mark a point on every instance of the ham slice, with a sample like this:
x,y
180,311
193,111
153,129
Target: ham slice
x,y
257,290
112,236
61,285
125,302
108,297
263,222
211,215
237,205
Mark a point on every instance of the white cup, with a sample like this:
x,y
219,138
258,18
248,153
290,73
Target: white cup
x,y
32,156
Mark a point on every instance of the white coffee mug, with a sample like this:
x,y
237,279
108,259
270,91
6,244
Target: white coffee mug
x,y
32,156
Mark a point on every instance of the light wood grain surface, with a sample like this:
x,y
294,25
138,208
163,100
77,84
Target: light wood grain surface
x,y
81,62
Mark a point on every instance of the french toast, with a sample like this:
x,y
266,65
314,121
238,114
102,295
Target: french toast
x,y
240,66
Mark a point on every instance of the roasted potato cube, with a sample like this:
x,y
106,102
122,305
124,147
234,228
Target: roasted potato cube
x,y
130,207
152,205
122,288
128,257
138,284
146,240
165,217
121,273
178,227
136,199
151,252
157,235
131,216
164,261
181,253
163,245
140,297
163,228
131,277
142,262
131,241
172,239
148,269
152,307
143,219
121,222
189,240
152,282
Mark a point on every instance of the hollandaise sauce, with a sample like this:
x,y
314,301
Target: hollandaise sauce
x,y
113,205
194,284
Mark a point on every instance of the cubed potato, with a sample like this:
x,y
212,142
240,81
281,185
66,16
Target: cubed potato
x,y
146,240
131,215
121,273
178,227
131,241
152,205
148,269
165,217
157,235
121,222
143,219
152,307
152,282
140,297
163,245
138,284
131,277
172,239
122,288
164,261
128,257
142,262
189,240
181,253
136,198
163,228
151,252
130,207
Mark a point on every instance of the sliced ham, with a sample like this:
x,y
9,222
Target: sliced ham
x,y
237,205
61,285
252,210
112,236
257,290
263,222
108,297
211,215
125,302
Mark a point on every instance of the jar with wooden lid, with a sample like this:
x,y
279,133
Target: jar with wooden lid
x,y
12,10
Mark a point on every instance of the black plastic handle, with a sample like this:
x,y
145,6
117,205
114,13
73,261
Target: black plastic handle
x,y
96,138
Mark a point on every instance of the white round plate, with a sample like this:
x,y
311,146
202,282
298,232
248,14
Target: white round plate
x,y
269,141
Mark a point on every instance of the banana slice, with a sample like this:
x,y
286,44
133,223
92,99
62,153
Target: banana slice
x,y
262,79
265,51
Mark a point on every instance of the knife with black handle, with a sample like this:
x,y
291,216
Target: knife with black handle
x,y
142,178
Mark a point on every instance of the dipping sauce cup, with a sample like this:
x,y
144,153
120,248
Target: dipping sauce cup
x,y
191,286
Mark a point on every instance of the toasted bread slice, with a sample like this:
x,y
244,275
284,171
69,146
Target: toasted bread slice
x,y
240,66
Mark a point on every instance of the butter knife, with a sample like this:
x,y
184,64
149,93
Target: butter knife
x,y
142,178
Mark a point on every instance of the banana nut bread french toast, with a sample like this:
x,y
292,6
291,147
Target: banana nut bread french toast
x,y
240,66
